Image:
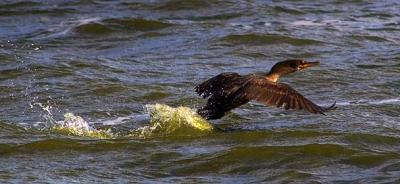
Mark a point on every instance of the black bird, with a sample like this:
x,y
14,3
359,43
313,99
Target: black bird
x,y
227,91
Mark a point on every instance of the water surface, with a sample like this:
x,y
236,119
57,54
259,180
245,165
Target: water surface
x,y
104,61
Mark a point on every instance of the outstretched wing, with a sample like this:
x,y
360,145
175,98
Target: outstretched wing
x,y
220,85
277,94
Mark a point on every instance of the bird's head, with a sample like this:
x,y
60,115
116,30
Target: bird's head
x,y
292,65
289,66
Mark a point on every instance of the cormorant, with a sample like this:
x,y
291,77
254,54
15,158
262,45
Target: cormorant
x,y
229,90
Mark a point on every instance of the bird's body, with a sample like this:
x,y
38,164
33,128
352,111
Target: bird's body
x,y
227,91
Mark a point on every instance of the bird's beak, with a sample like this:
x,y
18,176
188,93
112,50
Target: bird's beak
x,y
307,64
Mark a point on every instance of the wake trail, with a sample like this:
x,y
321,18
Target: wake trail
x,y
367,102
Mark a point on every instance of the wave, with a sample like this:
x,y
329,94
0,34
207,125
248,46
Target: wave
x,y
257,39
118,24
223,16
368,38
97,26
299,140
289,10
62,144
288,156
176,5
136,24
93,28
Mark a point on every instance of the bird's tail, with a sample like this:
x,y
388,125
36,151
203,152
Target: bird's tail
x,y
332,107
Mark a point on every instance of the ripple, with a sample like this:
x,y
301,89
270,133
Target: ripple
x,y
373,140
241,159
50,71
290,175
368,38
256,39
10,128
223,16
288,10
370,66
174,5
62,145
136,24
11,74
370,160
106,90
20,5
50,11
154,96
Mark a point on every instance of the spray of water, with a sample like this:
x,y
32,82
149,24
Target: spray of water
x,y
163,121
180,121
77,126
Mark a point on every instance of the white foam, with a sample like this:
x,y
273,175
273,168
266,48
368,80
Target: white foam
x,y
306,23
241,25
367,102
75,122
88,20
267,24
117,121
386,101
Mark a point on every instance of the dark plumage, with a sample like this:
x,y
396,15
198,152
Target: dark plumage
x,y
227,91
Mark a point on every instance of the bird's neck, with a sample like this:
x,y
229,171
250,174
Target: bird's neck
x,y
272,76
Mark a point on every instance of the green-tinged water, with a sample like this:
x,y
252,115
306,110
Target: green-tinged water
x,y
95,91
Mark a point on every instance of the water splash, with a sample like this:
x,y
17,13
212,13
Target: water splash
x,y
77,126
162,120
72,125
166,120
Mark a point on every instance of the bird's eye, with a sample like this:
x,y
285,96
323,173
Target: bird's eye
x,y
293,65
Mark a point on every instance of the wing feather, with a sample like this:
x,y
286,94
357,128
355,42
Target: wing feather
x,y
222,84
276,94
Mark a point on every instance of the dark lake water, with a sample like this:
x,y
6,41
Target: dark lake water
x,y
79,78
